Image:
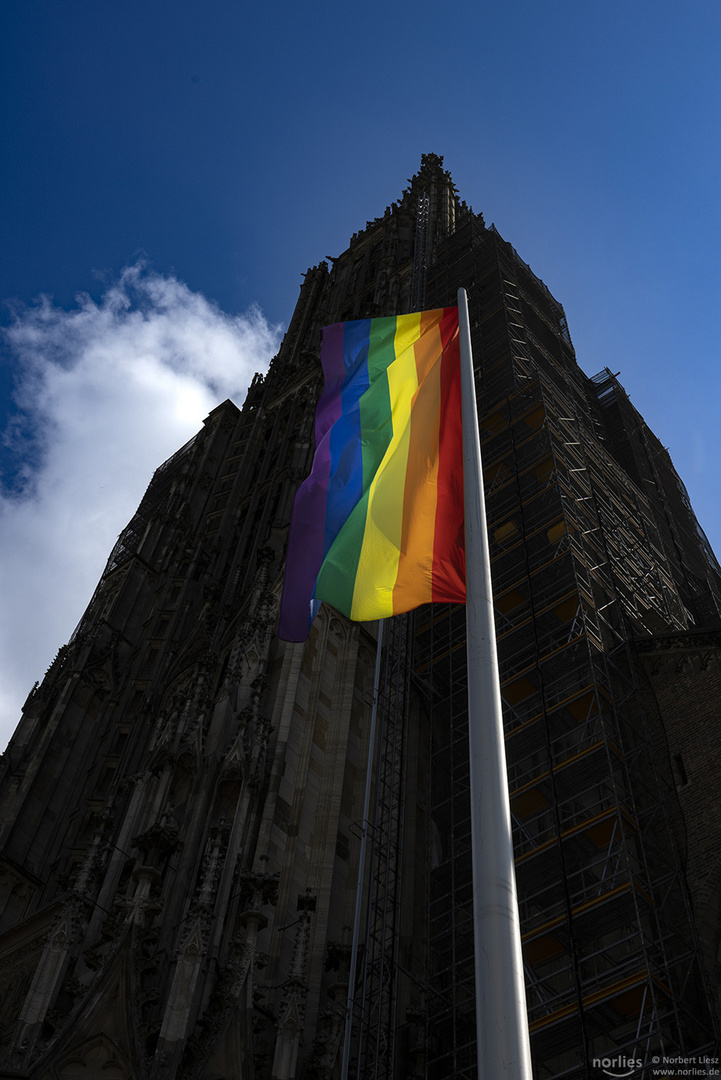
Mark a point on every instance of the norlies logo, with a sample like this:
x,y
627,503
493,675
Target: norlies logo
x,y
617,1066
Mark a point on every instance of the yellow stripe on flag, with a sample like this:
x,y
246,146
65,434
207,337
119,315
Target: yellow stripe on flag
x,y
378,565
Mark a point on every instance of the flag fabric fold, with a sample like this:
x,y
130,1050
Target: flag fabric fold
x,y
377,527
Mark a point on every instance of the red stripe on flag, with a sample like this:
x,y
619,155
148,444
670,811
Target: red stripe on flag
x,y
449,564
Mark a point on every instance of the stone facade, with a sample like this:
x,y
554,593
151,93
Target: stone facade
x,y
182,801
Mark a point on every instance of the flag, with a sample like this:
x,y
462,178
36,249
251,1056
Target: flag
x,y
377,527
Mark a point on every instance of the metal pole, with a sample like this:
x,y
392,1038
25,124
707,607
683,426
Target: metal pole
x,y
501,1018
350,1002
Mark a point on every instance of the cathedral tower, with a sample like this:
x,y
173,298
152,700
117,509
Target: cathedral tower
x,y
179,832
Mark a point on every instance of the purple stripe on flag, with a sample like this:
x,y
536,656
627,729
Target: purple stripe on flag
x,y
331,358
307,528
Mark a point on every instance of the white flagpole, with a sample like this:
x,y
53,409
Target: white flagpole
x,y
501,1017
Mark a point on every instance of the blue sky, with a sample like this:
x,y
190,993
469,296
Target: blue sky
x,y
219,150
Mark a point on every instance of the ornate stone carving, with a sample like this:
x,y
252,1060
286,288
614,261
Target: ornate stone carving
x,y
161,838
331,1025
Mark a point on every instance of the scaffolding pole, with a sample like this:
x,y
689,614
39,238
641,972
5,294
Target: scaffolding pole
x,y
360,887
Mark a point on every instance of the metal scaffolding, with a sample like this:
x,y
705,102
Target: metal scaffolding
x,y
580,542
579,569
377,993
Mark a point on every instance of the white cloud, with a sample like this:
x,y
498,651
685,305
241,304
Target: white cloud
x,y
106,392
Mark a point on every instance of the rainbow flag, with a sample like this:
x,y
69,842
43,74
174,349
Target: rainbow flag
x,y
377,527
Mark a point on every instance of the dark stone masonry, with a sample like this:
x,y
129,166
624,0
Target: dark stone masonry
x,y
181,802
